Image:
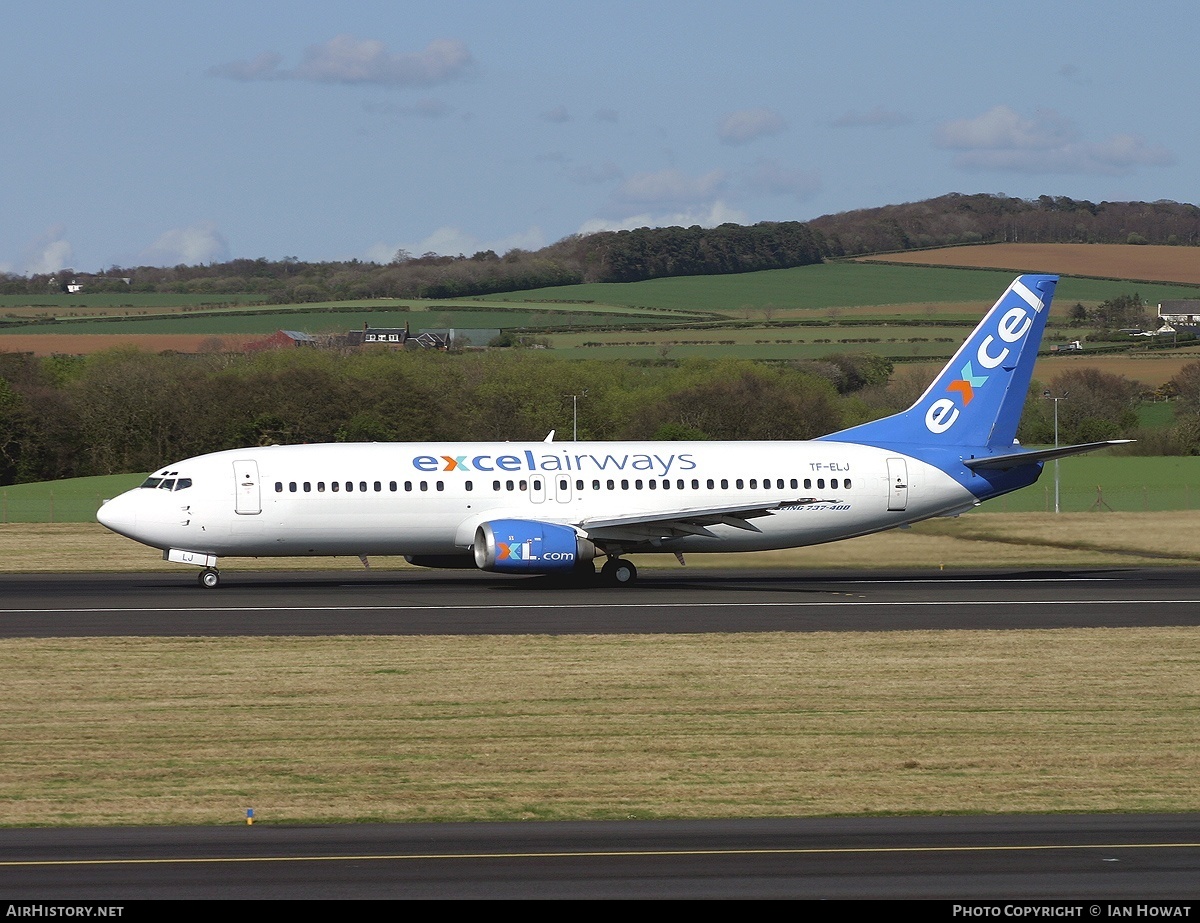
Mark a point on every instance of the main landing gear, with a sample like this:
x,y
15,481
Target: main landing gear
x,y
618,572
210,578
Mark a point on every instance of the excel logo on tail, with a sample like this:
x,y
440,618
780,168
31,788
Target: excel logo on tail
x,y
995,346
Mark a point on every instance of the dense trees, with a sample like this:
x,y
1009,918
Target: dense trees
x,y
130,411
983,218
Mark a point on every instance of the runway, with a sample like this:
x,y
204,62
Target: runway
x,y
1090,861
1077,858
170,604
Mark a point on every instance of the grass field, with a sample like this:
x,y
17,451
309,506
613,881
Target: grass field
x,y
320,730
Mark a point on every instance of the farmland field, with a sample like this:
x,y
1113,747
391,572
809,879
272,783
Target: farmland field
x,y
1102,261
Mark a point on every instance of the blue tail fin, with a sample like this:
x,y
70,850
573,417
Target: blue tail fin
x,y
977,398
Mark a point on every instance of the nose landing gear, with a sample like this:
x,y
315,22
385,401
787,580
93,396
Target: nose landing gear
x,y
210,578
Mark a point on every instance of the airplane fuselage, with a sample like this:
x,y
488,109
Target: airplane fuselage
x,y
409,499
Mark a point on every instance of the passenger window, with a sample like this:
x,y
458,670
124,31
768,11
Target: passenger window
x,y
624,484
833,483
524,485
637,484
679,483
424,485
362,485
808,483
392,486
537,483
846,484
335,486
753,483
378,487
724,483
579,485
666,483
469,485
320,487
820,483
408,487
495,485
740,483
441,485
710,484
292,486
795,483
611,485
349,487
652,484
508,485
308,487
278,485
595,485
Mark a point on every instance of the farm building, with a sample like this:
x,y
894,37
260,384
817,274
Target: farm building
x,y
283,339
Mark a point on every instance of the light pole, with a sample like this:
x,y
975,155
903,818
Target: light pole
x,y
575,414
1048,396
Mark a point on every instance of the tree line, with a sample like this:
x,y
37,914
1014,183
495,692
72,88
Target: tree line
x,y
126,410
650,253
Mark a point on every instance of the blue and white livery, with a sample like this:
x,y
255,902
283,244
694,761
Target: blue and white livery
x,y
546,507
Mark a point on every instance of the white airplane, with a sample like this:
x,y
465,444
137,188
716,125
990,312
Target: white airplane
x,y
548,508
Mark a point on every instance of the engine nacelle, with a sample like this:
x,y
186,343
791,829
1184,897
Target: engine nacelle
x,y
522,546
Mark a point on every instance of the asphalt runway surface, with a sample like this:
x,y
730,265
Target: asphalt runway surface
x,y
1090,859
669,601
1081,859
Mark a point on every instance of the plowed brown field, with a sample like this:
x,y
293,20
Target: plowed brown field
x,y
82,344
1106,261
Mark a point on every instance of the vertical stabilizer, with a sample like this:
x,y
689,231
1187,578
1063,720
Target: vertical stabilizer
x,y
977,398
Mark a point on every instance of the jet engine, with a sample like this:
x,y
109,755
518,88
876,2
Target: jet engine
x,y
521,546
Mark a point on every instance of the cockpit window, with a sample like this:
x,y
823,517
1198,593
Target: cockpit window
x,y
183,483
152,482
168,484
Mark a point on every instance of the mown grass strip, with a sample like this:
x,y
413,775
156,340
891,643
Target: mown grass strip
x,y
134,731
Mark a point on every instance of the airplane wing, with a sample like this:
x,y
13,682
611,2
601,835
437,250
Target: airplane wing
x,y
1017,459
654,527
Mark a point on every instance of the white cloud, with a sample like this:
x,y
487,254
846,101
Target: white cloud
x,y
1001,139
347,59
48,253
878,117
769,177
191,246
749,124
708,216
670,186
558,114
451,241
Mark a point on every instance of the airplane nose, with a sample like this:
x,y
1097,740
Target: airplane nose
x,y
117,515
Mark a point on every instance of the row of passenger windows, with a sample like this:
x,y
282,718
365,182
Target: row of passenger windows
x,y
565,484
351,486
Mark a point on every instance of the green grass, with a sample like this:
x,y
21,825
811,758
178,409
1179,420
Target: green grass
x,y
839,284
70,500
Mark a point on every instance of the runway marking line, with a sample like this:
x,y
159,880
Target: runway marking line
x,y
582,854
981,603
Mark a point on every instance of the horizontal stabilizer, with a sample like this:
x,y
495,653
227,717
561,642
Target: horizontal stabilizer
x,y
1017,459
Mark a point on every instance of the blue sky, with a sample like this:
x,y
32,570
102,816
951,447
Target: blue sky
x,y
162,133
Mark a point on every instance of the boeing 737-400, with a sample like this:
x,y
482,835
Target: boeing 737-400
x,y
547,508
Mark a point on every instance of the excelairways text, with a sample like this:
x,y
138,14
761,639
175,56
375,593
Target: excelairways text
x,y
658,465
